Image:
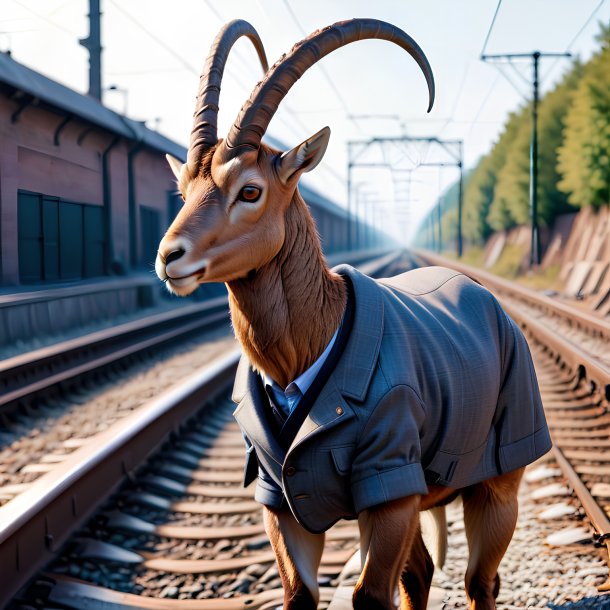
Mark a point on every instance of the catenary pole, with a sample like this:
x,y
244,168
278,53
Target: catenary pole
x,y
535,250
93,43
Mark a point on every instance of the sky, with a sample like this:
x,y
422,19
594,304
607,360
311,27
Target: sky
x,y
154,51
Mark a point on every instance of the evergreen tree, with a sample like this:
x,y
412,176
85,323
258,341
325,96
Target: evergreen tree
x,y
480,191
573,157
584,157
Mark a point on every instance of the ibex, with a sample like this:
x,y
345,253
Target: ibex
x,y
358,398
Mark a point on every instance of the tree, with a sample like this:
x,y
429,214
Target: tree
x,y
480,190
510,204
584,157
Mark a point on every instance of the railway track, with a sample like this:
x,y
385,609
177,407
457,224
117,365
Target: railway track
x,y
40,372
24,377
173,528
36,523
571,349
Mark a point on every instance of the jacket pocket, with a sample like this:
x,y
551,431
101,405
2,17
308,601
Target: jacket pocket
x,y
343,458
332,481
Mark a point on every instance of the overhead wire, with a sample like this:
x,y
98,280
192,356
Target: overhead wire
x,y
323,70
185,64
574,39
493,21
306,132
449,119
154,37
500,67
46,19
483,103
519,74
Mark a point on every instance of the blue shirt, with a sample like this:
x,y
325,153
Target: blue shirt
x,y
289,398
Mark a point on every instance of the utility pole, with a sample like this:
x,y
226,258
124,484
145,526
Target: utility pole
x,y
93,43
535,252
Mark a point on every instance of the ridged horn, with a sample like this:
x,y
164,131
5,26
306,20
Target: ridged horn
x,y
257,112
204,132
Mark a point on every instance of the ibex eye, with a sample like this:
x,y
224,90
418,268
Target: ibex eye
x,y
249,193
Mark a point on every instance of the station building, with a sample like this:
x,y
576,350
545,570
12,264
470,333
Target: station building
x,y
85,196
84,191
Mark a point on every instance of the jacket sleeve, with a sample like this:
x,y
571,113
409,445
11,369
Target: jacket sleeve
x,y
267,492
387,461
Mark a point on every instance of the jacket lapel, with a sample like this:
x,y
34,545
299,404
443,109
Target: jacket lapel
x,y
354,370
350,379
250,414
329,410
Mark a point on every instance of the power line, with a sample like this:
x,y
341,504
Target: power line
x,y
450,120
516,71
504,73
154,37
483,103
575,38
535,56
290,111
188,66
331,84
491,28
586,23
45,19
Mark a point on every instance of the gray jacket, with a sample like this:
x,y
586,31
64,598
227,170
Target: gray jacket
x,y
435,385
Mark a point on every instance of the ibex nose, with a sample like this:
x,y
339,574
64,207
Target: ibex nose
x,y
174,256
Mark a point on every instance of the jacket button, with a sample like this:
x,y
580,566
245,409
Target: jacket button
x,y
290,471
339,410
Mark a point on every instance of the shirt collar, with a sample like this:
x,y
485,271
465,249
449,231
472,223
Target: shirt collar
x,y
305,379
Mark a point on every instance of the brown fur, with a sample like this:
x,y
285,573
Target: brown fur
x,y
285,313
298,555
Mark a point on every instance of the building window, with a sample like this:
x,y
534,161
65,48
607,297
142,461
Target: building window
x,y
150,234
58,239
174,205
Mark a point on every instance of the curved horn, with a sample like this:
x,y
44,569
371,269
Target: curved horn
x,y
257,112
204,132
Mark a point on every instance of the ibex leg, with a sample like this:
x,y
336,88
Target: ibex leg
x,y
298,554
490,516
389,529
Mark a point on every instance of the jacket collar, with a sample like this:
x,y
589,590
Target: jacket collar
x,y
250,415
355,369
350,379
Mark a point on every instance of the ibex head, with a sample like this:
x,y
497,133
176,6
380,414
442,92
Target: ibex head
x,y
237,190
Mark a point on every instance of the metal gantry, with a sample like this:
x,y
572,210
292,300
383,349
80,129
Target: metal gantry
x,y
453,148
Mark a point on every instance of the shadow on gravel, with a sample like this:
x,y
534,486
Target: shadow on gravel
x,y
588,603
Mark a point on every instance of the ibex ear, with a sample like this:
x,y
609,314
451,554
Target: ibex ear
x,y
175,164
304,157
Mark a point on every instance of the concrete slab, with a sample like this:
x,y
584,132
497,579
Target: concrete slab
x,y
577,278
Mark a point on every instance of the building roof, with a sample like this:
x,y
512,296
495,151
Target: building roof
x,y
22,78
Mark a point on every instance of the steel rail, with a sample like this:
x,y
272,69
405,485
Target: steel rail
x,y
35,523
582,319
28,374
